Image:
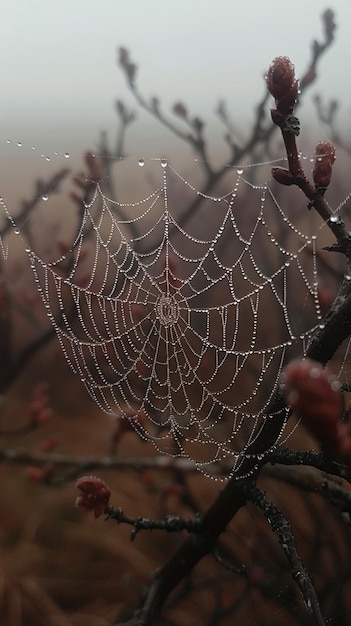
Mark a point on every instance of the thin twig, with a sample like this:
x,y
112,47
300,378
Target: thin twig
x,y
171,523
283,530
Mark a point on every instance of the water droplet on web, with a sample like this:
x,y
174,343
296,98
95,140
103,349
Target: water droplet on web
x,y
239,171
19,143
27,249
141,162
67,155
45,197
164,163
347,277
47,158
8,141
17,232
334,219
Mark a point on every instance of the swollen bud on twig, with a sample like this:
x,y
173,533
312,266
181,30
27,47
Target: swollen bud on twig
x,y
283,176
325,155
314,393
126,64
282,84
180,109
94,494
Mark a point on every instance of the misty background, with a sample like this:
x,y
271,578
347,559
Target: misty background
x,y
60,78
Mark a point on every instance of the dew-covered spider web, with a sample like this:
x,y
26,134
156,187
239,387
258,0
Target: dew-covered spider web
x,y
178,309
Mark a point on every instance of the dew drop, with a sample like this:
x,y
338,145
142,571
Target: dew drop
x,y
67,155
47,158
27,249
239,171
141,162
17,232
8,141
334,219
45,198
347,277
19,143
164,163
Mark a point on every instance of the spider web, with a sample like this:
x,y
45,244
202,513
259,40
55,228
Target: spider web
x,y
183,325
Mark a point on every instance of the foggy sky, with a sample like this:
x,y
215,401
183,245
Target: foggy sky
x,y
59,77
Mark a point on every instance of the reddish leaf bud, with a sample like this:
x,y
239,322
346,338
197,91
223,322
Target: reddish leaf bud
x,y
123,57
94,496
322,173
325,150
325,155
314,394
283,176
180,109
35,474
40,474
280,77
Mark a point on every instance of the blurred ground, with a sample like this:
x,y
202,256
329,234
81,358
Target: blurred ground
x,y
61,567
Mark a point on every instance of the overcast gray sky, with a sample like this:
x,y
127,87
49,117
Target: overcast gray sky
x,y
58,69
